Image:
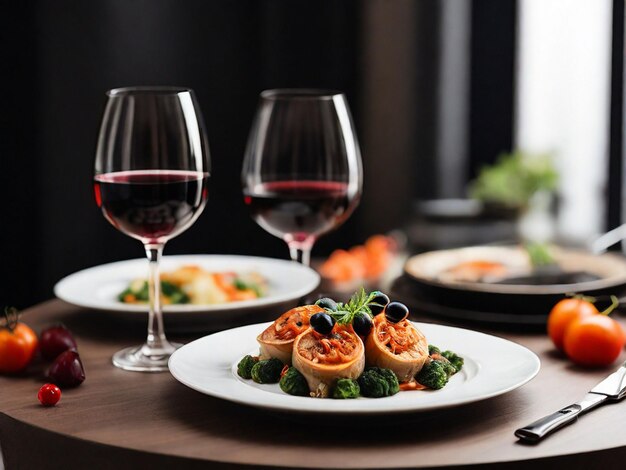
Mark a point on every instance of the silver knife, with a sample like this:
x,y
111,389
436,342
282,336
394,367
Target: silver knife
x,y
611,389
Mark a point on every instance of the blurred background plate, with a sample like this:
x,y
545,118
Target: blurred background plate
x,y
98,287
404,290
499,303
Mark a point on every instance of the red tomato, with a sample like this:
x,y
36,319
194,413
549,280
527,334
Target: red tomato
x,y
594,340
563,314
17,348
49,395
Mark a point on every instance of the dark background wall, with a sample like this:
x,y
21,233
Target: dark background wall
x,y
61,56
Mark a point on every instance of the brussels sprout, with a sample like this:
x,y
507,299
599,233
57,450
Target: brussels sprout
x,y
267,371
346,388
244,368
294,383
433,375
448,368
376,382
456,360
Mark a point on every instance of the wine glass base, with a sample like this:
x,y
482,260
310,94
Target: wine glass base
x,y
134,359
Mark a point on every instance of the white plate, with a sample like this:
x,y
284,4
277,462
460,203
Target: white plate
x,y
98,287
493,366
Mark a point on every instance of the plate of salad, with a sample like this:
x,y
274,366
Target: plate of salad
x,y
217,285
364,356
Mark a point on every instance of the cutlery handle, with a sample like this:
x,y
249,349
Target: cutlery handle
x,y
544,426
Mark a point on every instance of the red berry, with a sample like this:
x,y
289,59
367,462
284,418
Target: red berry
x,y
67,369
49,395
54,340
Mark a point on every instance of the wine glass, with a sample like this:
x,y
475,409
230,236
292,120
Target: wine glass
x,y
151,175
302,173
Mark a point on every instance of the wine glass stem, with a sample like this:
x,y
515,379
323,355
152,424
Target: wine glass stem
x,y
156,333
300,253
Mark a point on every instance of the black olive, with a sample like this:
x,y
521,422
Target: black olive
x,y
381,299
322,323
325,302
396,312
362,324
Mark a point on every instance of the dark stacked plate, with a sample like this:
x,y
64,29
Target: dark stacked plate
x,y
425,287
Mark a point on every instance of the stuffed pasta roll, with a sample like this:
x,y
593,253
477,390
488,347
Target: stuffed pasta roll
x,y
277,339
323,359
397,346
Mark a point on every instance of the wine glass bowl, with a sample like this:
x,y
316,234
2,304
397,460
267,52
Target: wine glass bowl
x,y
151,183
302,171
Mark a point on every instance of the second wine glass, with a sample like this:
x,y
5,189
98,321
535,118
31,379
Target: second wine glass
x,y
302,172
151,176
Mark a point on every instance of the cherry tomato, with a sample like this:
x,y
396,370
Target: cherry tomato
x,y
563,314
17,347
595,340
49,395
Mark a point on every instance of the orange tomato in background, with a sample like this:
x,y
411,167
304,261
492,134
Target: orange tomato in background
x,y
17,348
362,262
595,340
563,314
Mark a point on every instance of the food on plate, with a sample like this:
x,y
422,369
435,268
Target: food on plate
x,y
244,368
432,349
439,367
453,358
475,271
49,395
55,340
191,284
324,358
378,302
277,339
18,343
529,264
317,351
327,303
396,344
564,313
362,324
434,375
363,262
294,383
594,340
377,382
346,388
267,371
322,323
67,369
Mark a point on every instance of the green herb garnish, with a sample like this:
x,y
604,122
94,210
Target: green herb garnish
x,y
359,303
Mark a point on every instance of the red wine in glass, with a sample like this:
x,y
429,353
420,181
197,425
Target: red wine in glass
x,y
151,205
302,174
299,209
150,181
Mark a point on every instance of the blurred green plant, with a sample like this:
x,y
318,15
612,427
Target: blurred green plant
x,y
514,179
539,254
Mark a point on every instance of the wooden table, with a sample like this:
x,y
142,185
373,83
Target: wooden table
x,y
119,419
